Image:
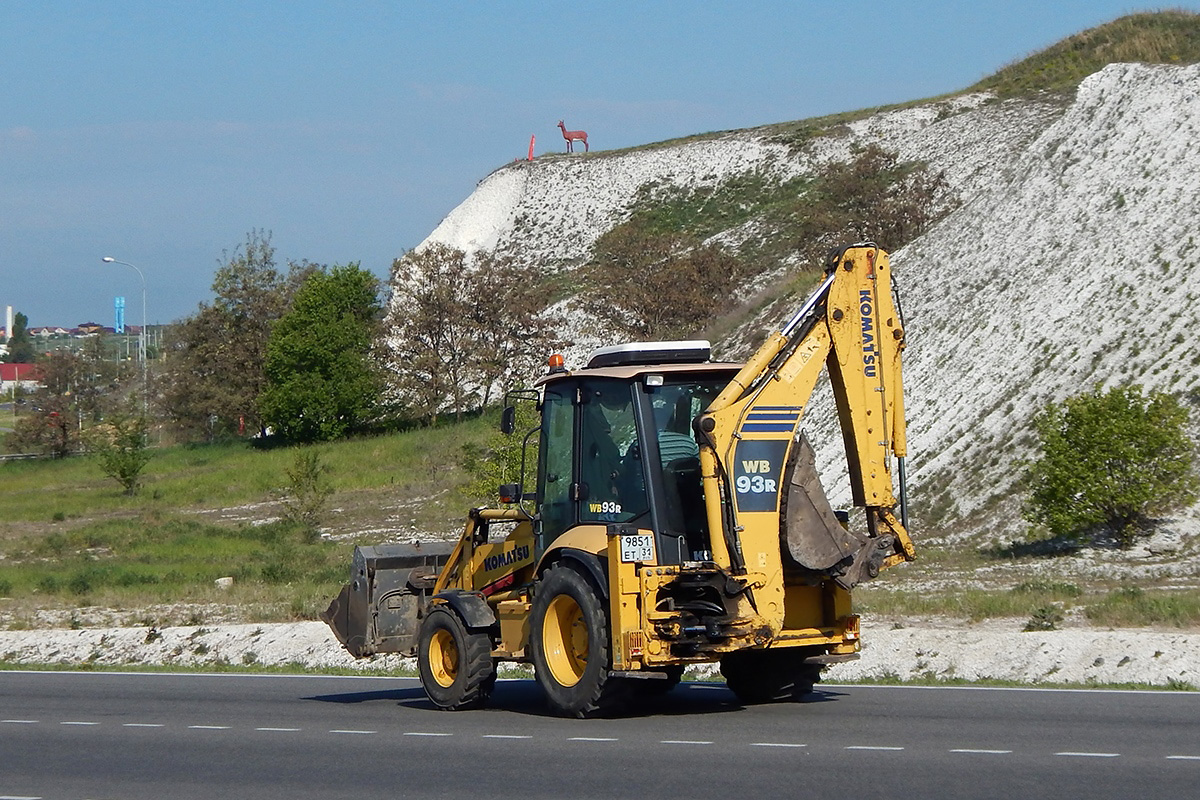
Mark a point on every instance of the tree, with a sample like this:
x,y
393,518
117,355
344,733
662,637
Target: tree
x,y
20,346
460,329
322,379
655,285
510,331
1108,460
426,330
214,363
74,387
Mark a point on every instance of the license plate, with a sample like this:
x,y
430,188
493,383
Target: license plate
x,y
637,547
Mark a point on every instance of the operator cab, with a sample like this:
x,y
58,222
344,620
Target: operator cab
x,y
617,445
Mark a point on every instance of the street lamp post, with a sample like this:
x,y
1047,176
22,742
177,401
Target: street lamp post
x,y
141,337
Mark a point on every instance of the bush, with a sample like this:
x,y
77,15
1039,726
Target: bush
x,y
119,447
308,489
1108,460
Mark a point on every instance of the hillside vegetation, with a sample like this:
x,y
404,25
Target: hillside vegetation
x,y
70,540
1163,37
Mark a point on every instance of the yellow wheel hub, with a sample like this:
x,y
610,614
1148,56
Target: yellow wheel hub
x,y
443,658
565,640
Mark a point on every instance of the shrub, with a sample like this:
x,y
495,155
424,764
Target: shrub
x,y
308,489
1108,460
119,447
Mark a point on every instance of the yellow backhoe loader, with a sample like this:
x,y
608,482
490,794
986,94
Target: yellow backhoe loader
x,y
676,518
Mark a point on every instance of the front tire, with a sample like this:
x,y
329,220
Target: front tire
x,y
769,676
456,665
569,640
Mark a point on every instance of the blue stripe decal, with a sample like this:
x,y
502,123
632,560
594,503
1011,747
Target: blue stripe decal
x,y
796,409
760,417
767,427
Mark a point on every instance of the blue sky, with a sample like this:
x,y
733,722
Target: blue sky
x,y
160,133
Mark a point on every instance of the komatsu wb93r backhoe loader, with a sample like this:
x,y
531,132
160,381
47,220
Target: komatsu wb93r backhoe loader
x,y
677,518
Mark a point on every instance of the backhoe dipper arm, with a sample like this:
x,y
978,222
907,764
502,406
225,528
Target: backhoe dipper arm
x,y
756,467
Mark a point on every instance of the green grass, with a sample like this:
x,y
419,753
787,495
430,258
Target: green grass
x,y
974,605
224,475
1043,603
1134,607
1163,37
70,538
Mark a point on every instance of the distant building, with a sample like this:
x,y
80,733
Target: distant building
x,y
22,376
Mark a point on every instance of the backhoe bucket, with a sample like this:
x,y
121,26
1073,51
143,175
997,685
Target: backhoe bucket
x,y
815,539
377,612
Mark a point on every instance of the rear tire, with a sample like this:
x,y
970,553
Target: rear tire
x,y
569,643
455,663
769,676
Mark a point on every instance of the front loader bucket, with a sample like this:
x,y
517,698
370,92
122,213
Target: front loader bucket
x,y
378,611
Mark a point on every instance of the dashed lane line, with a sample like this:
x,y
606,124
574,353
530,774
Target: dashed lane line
x,y
20,721
84,724
1183,758
981,752
279,730
425,733
504,736
1088,755
208,727
143,725
18,797
592,739
681,741
360,733
871,747
776,744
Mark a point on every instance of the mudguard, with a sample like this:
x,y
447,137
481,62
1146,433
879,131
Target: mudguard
x,y
471,607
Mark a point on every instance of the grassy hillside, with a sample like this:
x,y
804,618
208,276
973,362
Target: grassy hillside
x,y
1164,37
1160,37
69,538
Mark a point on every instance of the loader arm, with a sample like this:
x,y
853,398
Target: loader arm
x,y
757,469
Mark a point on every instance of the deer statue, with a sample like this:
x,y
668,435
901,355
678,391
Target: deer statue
x,y
572,136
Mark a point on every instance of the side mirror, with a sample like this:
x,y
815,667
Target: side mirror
x,y
510,493
508,420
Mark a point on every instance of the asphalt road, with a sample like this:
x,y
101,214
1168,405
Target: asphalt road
x,y
104,735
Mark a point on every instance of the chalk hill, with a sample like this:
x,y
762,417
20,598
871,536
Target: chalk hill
x,y
1071,260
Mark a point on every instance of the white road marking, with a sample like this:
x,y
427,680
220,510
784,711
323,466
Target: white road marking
x,y
681,741
361,732
983,752
776,744
590,739
504,736
20,721
208,727
425,733
143,725
17,796
79,723
1183,758
278,730
871,747
1089,755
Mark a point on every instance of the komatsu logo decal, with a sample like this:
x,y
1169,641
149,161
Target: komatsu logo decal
x,y
514,556
867,311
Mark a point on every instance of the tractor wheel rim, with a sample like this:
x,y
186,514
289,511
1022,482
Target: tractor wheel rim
x,y
443,658
565,640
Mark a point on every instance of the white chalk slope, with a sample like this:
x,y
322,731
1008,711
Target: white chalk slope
x,y
1071,261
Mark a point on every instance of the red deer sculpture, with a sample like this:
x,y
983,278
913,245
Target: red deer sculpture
x,y
573,136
